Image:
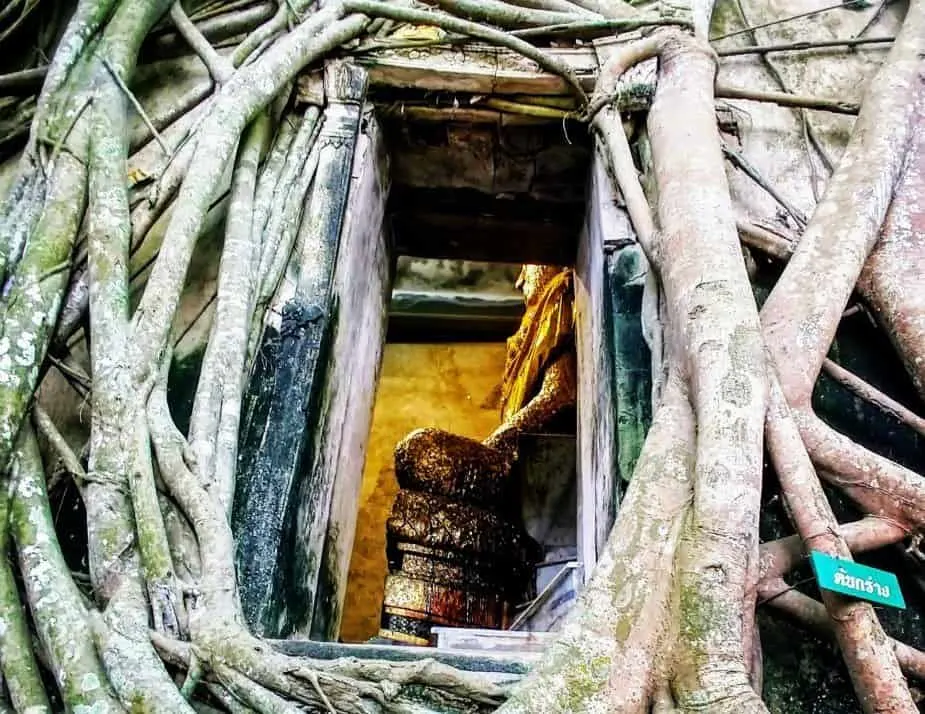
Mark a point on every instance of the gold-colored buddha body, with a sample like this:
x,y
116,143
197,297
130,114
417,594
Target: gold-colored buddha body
x,y
458,553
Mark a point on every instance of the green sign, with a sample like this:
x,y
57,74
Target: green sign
x,y
856,580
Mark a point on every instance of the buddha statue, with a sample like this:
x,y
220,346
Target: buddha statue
x,y
458,553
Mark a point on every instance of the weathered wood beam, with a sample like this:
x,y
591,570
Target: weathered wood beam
x,y
484,69
479,159
438,316
469,115
287,384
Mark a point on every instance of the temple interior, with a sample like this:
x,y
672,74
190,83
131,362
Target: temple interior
x,y
443,367
469,205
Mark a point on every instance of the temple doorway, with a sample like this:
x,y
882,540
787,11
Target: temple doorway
x,y
443,369
441,556
462,191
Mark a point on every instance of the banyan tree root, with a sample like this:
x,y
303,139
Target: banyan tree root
x,y
870,657
667,621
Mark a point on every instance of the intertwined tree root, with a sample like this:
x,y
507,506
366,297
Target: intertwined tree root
x,y
667,621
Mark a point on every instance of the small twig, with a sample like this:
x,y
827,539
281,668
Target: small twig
x,y
869,393
219,67
532,110
805,45
11,7
62,267
405,44
312,677
740,162
138,108
72,373
24,14
294,11
811,13
196,318
785,99
220,8
785,590
873,20
59,143
47,428
26,82
501,14
851,311
766,241
815,179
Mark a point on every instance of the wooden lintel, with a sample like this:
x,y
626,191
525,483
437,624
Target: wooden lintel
x,y
484,69
467,115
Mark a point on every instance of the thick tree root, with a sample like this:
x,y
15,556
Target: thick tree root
x,y
891,282
870,658
57,606
799,324
779,557
609,649
813,614
21,673
724,358
217,408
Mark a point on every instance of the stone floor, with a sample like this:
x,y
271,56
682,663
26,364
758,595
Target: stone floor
x,y
452,386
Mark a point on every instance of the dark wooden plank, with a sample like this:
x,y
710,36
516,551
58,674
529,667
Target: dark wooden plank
x,y
285,390
533,161
452,317
448,223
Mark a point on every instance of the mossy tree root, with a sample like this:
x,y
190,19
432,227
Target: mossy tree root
x,y
20,671
57,605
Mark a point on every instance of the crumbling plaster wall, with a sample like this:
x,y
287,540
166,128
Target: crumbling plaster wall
x,y
771,137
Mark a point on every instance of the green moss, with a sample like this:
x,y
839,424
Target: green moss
x,y
584,678
632,380
696,620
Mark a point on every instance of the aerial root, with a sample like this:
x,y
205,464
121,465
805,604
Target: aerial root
x,y
332,685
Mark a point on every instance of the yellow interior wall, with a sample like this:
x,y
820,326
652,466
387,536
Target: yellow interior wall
x,y
452,386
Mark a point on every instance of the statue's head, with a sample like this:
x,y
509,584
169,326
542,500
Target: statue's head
x,y
533,278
